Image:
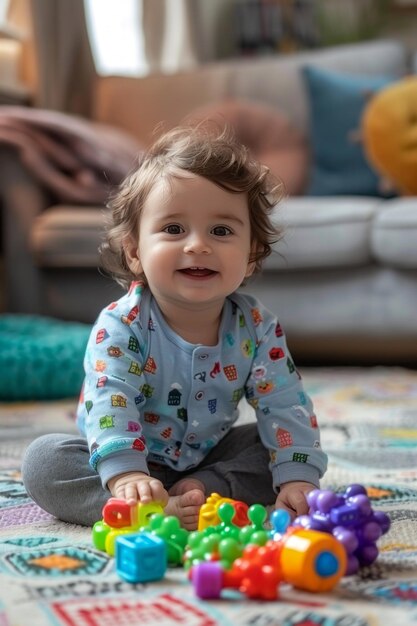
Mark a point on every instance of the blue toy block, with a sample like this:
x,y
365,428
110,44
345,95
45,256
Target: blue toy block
x,y
141,558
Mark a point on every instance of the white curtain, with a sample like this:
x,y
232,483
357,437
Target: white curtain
x,y
170,32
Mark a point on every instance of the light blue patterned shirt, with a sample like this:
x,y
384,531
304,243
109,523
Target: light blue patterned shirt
x,y
149,395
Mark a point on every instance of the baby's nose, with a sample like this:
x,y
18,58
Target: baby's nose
x,y
197,244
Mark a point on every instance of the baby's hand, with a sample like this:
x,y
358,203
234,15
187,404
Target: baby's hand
x,y
138,487
292,498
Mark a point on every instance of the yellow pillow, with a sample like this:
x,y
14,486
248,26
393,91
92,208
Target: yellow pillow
x,y
389,129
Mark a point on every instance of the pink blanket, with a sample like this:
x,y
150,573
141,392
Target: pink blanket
x,y
76,159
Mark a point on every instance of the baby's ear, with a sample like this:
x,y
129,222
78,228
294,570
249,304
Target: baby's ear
x,y
130,248
251,264
250,269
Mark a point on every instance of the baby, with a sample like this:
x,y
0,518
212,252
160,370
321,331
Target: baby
x,y
168,363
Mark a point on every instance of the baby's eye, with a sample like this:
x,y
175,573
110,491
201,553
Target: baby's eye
x,y
221,231
173,229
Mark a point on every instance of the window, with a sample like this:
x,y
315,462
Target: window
x,y
116,39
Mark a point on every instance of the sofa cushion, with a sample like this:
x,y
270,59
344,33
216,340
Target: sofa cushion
x,y
336,105
323,233
319,233
68,236
394,236
268,133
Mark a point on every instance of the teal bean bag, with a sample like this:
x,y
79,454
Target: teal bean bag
x,y
41,358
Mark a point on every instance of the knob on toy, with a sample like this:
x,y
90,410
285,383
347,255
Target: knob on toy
x,y
312,560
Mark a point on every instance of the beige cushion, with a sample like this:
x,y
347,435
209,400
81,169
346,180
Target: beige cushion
x,y
268,133
68,236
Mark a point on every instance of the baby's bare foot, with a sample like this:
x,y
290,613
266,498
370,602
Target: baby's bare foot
x,y
185,500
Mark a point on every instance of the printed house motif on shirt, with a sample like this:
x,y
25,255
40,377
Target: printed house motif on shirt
x,y
133,344
151,418
119,400
135,368
230,372
284,438
107,421
147,390
182,414
150,365
174,397
101,335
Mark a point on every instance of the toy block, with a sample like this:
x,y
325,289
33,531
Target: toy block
x,y
117,513
141,558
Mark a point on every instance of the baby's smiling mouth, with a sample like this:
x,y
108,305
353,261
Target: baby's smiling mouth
x,y
198,272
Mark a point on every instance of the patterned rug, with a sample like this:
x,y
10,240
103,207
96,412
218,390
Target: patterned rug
x,y
50,574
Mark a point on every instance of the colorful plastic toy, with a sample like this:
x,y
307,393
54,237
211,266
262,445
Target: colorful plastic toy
x,y
255,531
335,539
168,529
141,558
226,541
119,518
311,560
306,559
349,517
209,512
256,574
313,553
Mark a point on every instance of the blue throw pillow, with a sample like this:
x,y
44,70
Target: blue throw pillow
x,y
336,105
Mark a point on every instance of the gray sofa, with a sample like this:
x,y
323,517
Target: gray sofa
x,y
344,278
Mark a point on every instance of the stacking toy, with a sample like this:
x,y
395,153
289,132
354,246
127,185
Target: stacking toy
x,y
209,511
119,518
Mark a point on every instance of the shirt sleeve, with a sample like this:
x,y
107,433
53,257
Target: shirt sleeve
x,y
286,420
114,392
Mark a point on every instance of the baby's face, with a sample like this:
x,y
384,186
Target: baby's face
x,y
194,241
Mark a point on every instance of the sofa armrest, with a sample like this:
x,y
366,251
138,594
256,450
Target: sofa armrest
x,y
22,200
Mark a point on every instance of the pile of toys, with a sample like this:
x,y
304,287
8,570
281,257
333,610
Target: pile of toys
x,y
233,548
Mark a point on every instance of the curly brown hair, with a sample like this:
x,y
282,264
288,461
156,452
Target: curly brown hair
x,y
216,156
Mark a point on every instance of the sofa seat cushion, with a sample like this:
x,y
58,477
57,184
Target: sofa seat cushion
x,y
68,236
394,236
326,232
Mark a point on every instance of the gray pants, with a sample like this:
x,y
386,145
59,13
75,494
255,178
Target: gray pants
x,y
58,477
